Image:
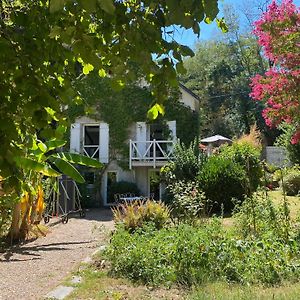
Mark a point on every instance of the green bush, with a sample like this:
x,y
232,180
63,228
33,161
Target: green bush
x,y
188,202
248,157
284,140
291,181
221,180
136,214
185,163
122,187
190,255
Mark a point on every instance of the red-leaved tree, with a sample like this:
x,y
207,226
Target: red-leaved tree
x,y
278,32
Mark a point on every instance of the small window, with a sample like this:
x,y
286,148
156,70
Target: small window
x,y
91,135
91,141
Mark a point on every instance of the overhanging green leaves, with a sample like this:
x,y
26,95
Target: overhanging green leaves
x,y
79,159
32,165
66,168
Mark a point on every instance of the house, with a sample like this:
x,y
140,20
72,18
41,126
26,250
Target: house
x,y
148,145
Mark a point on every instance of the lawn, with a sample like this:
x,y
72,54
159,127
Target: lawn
x,y
98,284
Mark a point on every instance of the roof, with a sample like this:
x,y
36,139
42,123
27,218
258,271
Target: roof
x,y
188,91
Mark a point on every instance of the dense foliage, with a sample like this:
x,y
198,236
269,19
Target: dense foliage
x,y
188,202
191,255
284,140
278,34
129,105
185,165
248,157
219,74
222,180
291,181
123,187
45,45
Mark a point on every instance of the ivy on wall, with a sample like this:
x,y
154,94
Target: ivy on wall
x,y
121,109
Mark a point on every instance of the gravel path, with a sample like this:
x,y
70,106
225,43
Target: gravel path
x,y
31,270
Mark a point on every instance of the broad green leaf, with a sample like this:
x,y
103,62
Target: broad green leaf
x,y
66,168
211,9
32,165
160,108
108,6
51,113
152,113
79,159
186,51
180,68
42,147
87,68
56,5
54,144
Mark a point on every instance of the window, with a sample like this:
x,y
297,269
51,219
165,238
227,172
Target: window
x,y
91,141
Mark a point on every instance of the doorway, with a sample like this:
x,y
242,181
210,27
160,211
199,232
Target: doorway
x,y
154,185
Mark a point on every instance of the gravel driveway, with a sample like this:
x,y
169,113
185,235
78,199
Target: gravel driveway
x,y
31,270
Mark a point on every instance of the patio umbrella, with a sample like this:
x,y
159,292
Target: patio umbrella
x,y
216,138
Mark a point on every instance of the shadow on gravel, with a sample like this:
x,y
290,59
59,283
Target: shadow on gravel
x,y
30,251
100,214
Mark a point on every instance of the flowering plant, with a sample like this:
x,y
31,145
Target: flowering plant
x,y
278,32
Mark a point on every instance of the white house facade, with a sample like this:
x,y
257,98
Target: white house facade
x,y
148,152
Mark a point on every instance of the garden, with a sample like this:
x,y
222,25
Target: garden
x,y
227,222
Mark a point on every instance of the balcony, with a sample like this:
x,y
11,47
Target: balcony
x,y
150,153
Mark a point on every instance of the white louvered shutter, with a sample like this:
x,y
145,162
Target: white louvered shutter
x,y
104,143
75,138
141,137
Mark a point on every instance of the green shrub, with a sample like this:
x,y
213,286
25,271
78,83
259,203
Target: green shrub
x,y
185,163
188,202
122,187
221,179
136,214
248,157
284,140
291,181
257,215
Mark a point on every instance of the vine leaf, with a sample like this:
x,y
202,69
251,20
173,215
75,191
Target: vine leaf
x,y
87,69
153,112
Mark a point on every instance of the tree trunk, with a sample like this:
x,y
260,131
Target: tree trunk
x,y
14,232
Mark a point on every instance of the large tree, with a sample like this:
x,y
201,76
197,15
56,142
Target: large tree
x,y
220,73
278,33
46,44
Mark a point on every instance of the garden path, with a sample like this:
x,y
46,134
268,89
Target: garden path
x,y
31,270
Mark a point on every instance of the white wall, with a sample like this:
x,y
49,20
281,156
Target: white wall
x,y
276,156
189,100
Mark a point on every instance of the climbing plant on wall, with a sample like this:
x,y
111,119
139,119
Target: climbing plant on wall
x,y
121,109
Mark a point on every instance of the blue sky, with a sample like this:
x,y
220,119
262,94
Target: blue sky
x,y
187,37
